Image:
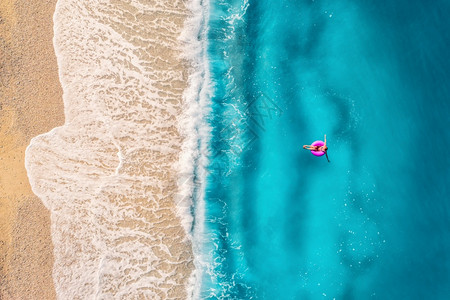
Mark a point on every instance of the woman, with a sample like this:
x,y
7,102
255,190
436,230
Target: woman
x,y
323,148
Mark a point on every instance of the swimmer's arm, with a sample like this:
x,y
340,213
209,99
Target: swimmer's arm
x,y
326,154
325,140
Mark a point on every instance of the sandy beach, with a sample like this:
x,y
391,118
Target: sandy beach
x,y
30,104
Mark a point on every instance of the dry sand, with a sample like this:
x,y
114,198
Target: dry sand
x,y
30,104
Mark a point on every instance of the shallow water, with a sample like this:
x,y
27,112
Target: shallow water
x,y
283,224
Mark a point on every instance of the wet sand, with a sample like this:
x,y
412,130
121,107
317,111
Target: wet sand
x,y
30,104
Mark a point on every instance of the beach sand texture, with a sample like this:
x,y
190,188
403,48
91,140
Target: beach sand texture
x,y
30,104
109,175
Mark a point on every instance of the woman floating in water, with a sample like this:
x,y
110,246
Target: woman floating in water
x,y
318,148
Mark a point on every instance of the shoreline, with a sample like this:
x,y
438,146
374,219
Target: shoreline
x,y
31,104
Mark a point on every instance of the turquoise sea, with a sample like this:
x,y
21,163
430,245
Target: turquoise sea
x,y
374,223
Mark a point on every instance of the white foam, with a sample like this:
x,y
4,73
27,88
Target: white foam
x,y
108,175
197,106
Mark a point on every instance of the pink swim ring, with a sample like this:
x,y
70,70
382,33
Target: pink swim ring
x,y
320,144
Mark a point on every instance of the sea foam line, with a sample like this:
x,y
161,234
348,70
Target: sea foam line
x,y
197,134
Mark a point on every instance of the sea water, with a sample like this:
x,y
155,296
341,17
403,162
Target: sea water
x,y
374,222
